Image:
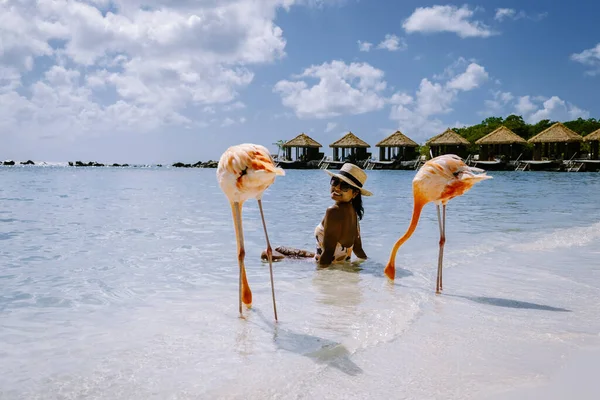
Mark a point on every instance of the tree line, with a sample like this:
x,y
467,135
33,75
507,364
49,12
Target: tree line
x,y
516,124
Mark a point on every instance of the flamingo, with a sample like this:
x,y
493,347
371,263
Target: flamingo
x,y
439,180
244,172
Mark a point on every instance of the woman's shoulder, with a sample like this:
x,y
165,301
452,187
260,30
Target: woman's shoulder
x,y
337,210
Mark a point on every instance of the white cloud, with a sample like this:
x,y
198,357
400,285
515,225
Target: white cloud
x,y
330,126
392,43
524,105
364,46
505,13
418,114
556,109
589,57
141,66
533,108
496,105
473,77
227,122
510,13
238,105
446,19
342,89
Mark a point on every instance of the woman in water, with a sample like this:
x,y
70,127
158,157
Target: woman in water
x,y
338,234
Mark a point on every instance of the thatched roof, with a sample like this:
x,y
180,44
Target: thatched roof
x,y
302,140
502,135
350,140
448,137
557,133
397,139
594,136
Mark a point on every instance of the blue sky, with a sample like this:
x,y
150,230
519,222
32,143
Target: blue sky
x,y
163,81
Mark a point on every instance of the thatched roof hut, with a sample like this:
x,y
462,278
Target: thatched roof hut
x,y
502,142
352,148
397,146
302,140
350,140
557,133
594,139
448,142
556,142
307,148
501,135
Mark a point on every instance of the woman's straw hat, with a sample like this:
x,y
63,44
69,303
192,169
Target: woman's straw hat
x,y
353,176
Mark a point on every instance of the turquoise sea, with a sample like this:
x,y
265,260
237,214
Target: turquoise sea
x,y
121,283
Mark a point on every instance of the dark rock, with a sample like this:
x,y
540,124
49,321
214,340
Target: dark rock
x,y
28,162
9,162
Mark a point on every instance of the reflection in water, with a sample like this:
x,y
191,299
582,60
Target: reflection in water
x,y
244,340
339,285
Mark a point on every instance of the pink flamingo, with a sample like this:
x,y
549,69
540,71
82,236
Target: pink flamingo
x,y
244,172
439,180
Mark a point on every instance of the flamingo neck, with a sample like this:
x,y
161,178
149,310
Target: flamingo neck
x,y
414,221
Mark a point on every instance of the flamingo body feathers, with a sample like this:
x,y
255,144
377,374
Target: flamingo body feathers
x,y
245,171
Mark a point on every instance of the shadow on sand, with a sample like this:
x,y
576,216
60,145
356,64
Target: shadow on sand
x,y
500,302
321,351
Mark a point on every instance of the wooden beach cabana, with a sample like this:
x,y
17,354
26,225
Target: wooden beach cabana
x,y
498,148
593,162
551,147
307,149
556,143
448,142
349,148
594,140
397,151
397,146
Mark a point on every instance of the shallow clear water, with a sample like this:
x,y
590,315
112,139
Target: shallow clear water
x,y
122,283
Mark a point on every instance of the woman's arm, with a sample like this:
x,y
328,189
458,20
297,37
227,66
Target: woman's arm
x,y
357,248
332,224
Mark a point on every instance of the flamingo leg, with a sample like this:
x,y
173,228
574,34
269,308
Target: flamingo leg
x,y
442,224
269,256
245,294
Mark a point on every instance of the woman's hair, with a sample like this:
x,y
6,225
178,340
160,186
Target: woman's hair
x,y
358,207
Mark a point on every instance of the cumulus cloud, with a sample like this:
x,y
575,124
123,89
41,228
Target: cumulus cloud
x,y
446,19
532,108
364,46
341,89
392,43
590,58
419,113
503,14
129,64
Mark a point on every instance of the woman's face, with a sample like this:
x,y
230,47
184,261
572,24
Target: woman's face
x,y
341,192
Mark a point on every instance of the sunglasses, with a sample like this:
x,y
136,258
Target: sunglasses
x,y
343,185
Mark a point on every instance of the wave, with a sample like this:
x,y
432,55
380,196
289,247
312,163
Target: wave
x,y
563,238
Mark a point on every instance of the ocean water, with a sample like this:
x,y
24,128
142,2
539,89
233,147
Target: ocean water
x,y
121,283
